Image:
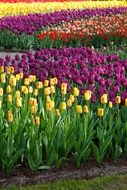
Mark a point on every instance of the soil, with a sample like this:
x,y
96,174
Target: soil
x,y
23,176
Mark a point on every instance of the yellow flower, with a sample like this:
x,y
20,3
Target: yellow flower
x,y
85,109
52,89
52,104
3,78
118,99
33,109
48,106
27,81
48,99
104,99
2,69
30,89
1,91
126,102
10,70
12,81
32,78
72,98
39,85
37,120
9,117
35,92
46,83
69,103
55,80
52,82
17,94
0,103
63,88
21,75
17,77
25,90
57,112
110,105
9,98
47,91
100,112
8,89
33,101
63,106
76,91
79,109
19,102
87,95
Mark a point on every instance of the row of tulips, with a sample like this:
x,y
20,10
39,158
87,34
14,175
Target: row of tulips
x,y
83,67
32,1
43,125
9,9
108,28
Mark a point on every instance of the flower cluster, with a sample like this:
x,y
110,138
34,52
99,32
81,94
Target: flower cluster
x,y
9,9
85,29
19,24
32,1
82,66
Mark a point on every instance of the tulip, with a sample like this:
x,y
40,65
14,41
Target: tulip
x,y
49,106
19,102
18,77
8,89
76,91
1,91
118,99
30,89
85,109
1,69
33,109
126,102
87,95
57,112
12,81
47,91
100,112
110,105
39,85
69,103
17,94
63,106
3,78
79,109
9,98
63,88
52,89
9,117
33,102
46,83
72,98
35,92
27,81
104,99
37,120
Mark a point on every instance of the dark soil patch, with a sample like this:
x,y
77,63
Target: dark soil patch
x,y
23,176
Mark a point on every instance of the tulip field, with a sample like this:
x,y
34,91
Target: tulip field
x,y
65,99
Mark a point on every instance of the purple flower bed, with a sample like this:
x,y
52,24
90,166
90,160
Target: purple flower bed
x,y
80,67
31,23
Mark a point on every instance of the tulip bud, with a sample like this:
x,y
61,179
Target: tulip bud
x,y
63,88
104,99
52,89
57,112
9,98
1,91
3,78
85,109
17,77
19,102
35,92
110,105
63,106
30,89
79,109
55,80
100,112
36,120
72,98
76,91
48,99
27,81
118,99
69,103
87,95
8,89
48,106
39,85
9,117
17,94
2,69
12,81
47,91
46,83
33,109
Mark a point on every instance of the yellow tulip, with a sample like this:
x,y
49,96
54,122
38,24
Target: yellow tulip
x,y
39,85
48,106
63,88
33,109
12,80
21,75
87,95
30,89
69,103
104,99
76,91
10,70
47,91
72,98
85,109
17,93
25,90
110,105
19,102
8,89
118,99
63,106
48,99
126,102
100,112
9,98
0,104
3,78
17,77
55,80
35,92
52,104
46,83
79,109
52,82
37,120
32,78
9,117
52,89
1,69
57,112
1,91
27,81
33,101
